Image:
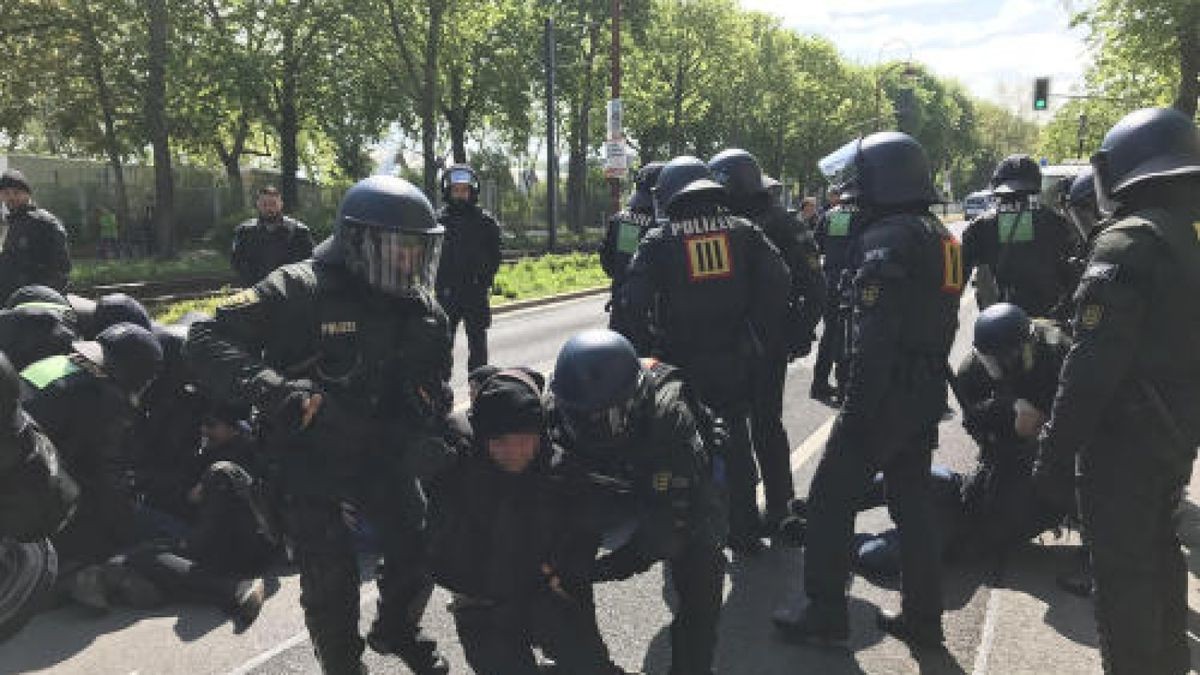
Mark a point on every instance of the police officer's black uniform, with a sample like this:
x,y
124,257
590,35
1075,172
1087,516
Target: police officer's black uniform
x,y
85,402
641,448
906,286
508,544
36,497
739,172
1129,395
706,290
34,249
470,260
834,235
1027,248
625,231
347,358
264,244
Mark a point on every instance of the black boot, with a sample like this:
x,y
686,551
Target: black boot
x,y
415,649
923,634
806,623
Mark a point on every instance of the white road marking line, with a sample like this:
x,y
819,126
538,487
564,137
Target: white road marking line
x,y
262,658
987,637
805,451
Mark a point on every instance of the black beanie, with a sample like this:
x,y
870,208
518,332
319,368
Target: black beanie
x,y
14,179
510,401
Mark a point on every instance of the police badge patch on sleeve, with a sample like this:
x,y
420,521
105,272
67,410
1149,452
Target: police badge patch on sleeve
x,y
1090,316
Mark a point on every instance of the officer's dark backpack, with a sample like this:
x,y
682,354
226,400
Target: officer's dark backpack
x,y
713,430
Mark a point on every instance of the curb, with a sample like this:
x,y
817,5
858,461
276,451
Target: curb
x,y
548,300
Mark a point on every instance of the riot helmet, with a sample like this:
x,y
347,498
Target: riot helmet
x,y
596,385
888,169
1017,175
130,354
1081,202
739,172
1003,334
642,200
116,308
386,235
10,396
685,188
1146,145
36,294
460,174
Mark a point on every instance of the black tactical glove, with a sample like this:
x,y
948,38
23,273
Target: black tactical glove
x,y
1054,478
620,564
291,405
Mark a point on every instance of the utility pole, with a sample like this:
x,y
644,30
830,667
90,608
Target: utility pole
x,y
551,153
614,178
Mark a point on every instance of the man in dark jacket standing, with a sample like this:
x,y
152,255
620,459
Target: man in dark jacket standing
x,y
269,241
33,244
470,259
625,231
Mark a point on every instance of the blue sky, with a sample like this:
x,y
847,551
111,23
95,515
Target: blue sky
x,y
994,47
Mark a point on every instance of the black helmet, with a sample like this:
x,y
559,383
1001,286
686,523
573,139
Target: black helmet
x,y
386,235
739,172
460,174
596,379
685,187
36,294
117,308
1017,175
642,200
1146,145
1001,333
130,354
885,169
1081,201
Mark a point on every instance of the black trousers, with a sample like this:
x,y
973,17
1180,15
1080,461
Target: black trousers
x,y
837,490
698,574
499,640
830,348
1130,492
771,446
329,572
477,317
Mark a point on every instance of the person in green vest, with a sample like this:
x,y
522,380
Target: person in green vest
x,y
110,234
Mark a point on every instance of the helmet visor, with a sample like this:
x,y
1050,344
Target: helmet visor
x,y
1105,199
840,167
395,262
1084,217
598,427
1003,365
461,177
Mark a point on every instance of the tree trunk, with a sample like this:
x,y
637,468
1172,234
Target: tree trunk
x,y
231,159
289,123
1189,68
457,116
156,126
429,97
677,109
580,139
112,146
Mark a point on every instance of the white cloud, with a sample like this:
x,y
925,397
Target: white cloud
x,y
986,44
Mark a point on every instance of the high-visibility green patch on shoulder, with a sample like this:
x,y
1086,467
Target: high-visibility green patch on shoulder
x,y
49,370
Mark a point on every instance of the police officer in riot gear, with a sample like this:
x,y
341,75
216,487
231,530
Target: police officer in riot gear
x,y
262,244
739,172
1026,248
705,292
834,235
33,243
1128,401
470,259
625,231
907,284
347,358
1081,204
640,446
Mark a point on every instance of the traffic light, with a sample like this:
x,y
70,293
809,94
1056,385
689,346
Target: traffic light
x,y
1041,93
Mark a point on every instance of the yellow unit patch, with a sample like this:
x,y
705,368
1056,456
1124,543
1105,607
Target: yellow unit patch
x,y
339,328
248,296
869,295
952,266
708,256
1196,226
662,481
1089,316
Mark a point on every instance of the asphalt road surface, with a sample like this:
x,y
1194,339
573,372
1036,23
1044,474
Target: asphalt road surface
x,y
1002,617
